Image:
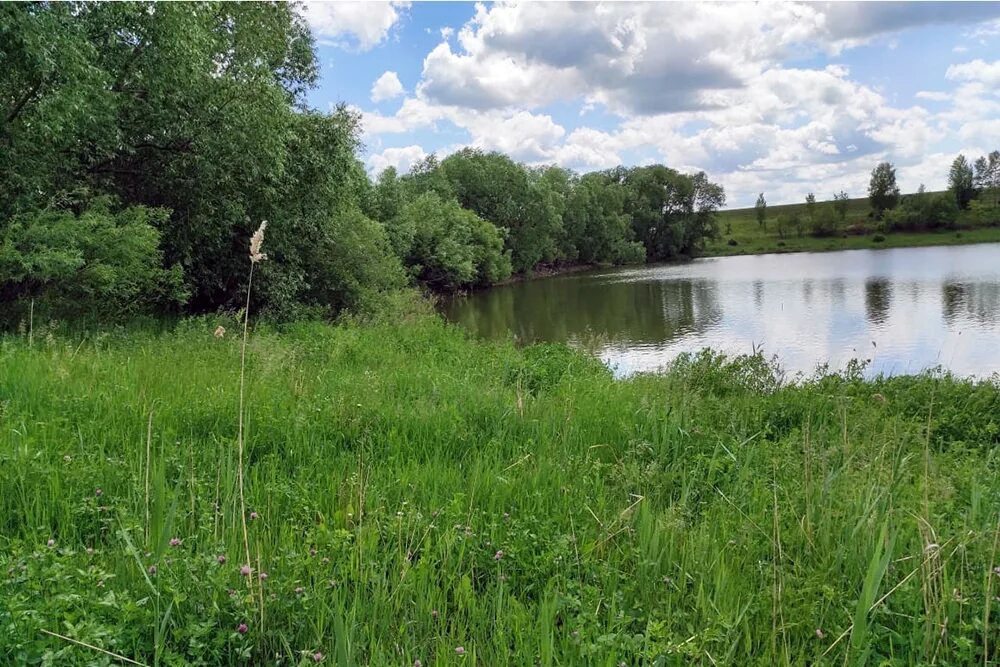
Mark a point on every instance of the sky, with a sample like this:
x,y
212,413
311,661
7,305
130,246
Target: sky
x,y
783,98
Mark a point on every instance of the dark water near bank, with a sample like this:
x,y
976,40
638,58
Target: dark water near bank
x,y
905,309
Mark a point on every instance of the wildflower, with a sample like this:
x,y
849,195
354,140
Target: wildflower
x,y
253,516
245,570
417,663
175,542
263,576
498,555
819,633
221,559
459,650
242,628
312,552
152,570
51,543
255,243
299,590
98,492
220,331
506,516
996,570
90,551
434,613
317,657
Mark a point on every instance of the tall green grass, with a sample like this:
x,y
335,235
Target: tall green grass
x,y
417,491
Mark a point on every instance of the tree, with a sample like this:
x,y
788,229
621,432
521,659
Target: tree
x,y
961,181
671,213
452,247
501,191
883,193
760,208
987,176
841,202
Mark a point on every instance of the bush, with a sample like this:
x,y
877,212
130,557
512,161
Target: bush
x,y
97,263
923,212
732,242
824,223
878,238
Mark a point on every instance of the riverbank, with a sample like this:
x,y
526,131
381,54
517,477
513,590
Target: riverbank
x,y
413,494
748,243
740,233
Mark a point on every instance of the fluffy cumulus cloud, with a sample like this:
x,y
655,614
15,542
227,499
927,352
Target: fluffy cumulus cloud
x,y
360,25
402,158
977,71
386,87
699,86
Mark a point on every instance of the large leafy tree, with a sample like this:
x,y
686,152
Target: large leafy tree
x,y
503,192
671,213
198,109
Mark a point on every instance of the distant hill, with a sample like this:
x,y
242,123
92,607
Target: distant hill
x,y
858,208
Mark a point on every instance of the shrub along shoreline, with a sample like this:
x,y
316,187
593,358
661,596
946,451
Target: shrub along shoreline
x,y
414,494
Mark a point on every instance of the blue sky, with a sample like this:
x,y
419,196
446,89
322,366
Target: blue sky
x,y
784,98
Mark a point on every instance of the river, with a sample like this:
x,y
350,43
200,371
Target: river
x,y
904,309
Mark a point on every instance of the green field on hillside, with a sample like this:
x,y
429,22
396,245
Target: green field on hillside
x,y
740,234
413,495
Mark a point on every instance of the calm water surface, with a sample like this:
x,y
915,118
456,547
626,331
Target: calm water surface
x,y
905,309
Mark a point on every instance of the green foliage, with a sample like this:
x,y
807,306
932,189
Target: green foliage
x,y
883,193
923,211
97,264
987,177
961,182
450,247
825,222
841,203
672,214
760,208
500,190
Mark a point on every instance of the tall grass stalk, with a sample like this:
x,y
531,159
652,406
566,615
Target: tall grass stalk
x,y
256,241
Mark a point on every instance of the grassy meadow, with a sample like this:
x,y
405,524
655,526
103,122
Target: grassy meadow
x,y
739,233
415,497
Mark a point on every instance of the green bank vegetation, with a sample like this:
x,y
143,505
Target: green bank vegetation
x,y
411,492
968,212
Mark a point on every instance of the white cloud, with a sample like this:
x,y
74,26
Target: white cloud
x,y
933,95
402,158
447,32
978,71
386,87
649,58
366,24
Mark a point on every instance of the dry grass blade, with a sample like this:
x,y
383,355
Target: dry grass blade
x,y
93,648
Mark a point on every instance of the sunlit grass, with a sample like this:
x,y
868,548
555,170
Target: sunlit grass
x,y
414,492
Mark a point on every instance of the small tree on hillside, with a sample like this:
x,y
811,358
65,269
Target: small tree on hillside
x,y
987,176
840,204
883,193
761,210
960,182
